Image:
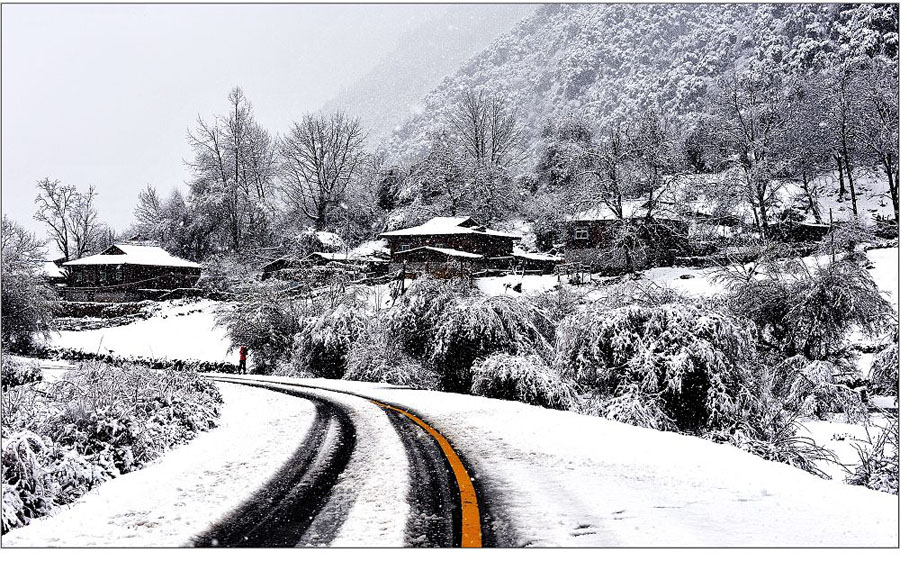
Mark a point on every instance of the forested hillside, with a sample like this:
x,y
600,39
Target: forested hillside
x,y
607,62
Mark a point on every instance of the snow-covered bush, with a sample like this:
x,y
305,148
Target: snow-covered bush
x,y
15,371
323,342
27,301
474,327
815,388
883,374
224,276
768,431
415,317
681,365
265,320
96,423
878,459
377,357
559,302
809,313
522,378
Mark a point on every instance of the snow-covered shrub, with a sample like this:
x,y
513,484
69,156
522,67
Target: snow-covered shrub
x,y
265,320
474,327
686,365
415,317
27,301
768,431
810,312
15,371
322,344
522,378
559,302
815,388
630,406
224,276
878,459
96,423
883,374
377,357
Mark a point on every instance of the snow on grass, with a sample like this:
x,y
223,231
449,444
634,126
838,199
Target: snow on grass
x,y
190,487
840,438
562,479
178,330
531,284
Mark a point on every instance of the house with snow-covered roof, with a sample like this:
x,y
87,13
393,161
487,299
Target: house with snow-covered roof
x,y
128,271
444,240
633,236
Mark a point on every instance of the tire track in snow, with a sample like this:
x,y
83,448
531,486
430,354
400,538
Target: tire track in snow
x,y
436,517
280,513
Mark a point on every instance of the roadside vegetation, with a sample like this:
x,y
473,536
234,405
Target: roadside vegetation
x,y
62,438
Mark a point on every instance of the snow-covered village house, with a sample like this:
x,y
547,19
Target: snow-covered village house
x,y
444,246
606,241
128,272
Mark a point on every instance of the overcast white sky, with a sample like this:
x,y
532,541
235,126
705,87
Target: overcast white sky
x,y
104,95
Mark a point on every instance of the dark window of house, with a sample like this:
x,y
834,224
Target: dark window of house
x,y
120,274
581,233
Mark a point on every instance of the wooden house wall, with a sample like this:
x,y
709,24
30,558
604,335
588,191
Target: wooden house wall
x,y
126,276
487,245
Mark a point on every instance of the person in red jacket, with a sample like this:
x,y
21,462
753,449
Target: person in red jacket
x,y
242,363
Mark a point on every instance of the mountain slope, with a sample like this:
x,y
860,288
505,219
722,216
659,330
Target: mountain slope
x,y
605,61
388,94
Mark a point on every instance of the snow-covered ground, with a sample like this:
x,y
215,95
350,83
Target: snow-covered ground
x,y
550,479
559,478
190,487
178,330
842,439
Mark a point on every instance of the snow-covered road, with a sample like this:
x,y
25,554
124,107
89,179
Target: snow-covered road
x,y
544,478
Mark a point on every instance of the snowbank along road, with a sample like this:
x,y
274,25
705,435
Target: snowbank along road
x,y
307,502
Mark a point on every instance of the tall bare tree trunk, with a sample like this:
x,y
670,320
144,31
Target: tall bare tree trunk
x,y
891,171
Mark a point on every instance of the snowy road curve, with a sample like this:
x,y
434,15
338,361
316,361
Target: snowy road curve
x,y
303,504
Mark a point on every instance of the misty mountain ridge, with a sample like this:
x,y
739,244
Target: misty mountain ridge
x,y
392,92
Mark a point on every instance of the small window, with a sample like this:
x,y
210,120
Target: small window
x,y
581,233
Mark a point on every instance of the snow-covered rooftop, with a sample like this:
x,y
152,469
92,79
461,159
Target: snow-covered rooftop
x,y
51,270
445,251
536,256
130,254
447,226
329,239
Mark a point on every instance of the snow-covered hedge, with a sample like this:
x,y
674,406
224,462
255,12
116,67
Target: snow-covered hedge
x,y
99,421
157,363
675,366
522,378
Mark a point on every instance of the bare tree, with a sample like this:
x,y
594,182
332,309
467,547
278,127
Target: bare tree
x,y
235,157
487,128
319,158
752,112
70,217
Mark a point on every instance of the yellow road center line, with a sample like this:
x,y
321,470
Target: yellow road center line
x,y
471,519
